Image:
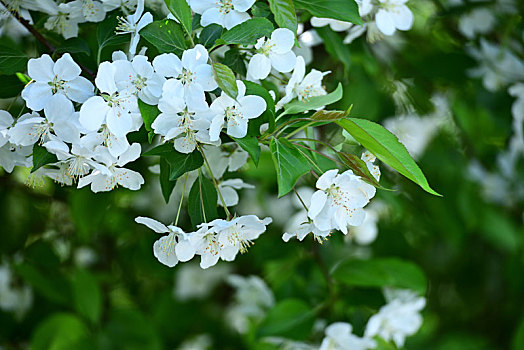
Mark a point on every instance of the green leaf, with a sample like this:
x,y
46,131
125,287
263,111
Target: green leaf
x,y
314,102
202,201
12,60
248,32
343,10
161,150
269,114
166,35
74,45
181,163
166,185
60,331
11,86
182,12
52,287
251,146
87,296
210,34
290,318
285,15
324,115
41,157
290,164
335,46
359,167
149,114
386,146
105,34
234,59
382,272
225,79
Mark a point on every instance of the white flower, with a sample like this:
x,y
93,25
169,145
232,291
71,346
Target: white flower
x,y
118,110
228,188
235,113
87,10
303,86
50,78
60,122
227,13
17,299
133,24
171,248
334,24
339,337
188,124
6,121
275,52
62,21
369,158
397,319
339,201
305,228
112,174
192,282
220,161
478,21
12,155
393,15
138,77
192,72
126,6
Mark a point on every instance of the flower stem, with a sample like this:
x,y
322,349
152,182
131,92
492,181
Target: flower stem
x,y
181,199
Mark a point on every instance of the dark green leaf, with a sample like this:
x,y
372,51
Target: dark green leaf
x,y
335,46
260,9
41,157
12,60
49,286
210,34
343,10
161,150
386,146
149,114
290,164
181,163
285,15
202,201
234,59
105,34
313,102
87,296
11,86
182,12
384,272
225,79
248,32
359,167
166,185
290,318
251,146
74,45
166,35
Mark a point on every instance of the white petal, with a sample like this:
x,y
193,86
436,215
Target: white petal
x,y
326,179
284,39
129,179
93,113
168,65
318,200
184,250
259,66
204,77
252,106
403,18
79,89
385,22
212,15
152,224
164,253
105,78
118,122
6,120
284,62
66,69
242,5
234,18
36,95
41,69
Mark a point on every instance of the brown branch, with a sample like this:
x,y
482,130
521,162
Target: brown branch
x,y
39,36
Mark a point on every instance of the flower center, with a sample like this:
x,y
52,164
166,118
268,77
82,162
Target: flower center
x,y
187,76
225,6
125,26
232,115
305,93
212,247
266,48
139,82
168,246
77,168
236,236
57,85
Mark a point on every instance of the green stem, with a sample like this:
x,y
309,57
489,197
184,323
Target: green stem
x,y
281,127
300,199
181,199
308,158
208,167
300,129
201,197
319,153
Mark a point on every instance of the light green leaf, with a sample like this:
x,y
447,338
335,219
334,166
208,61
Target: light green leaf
x,y
248,32
87,296
343,10
314,102
285,15
386,146
290,318
149,114
60,331
202,201
290,164
12,60
225,79
251,146
166,35
383,272
182,12
41,157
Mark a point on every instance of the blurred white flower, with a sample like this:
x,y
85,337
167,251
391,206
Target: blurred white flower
x,y
228,188
13,299
393,15
478,21
193,282
339,337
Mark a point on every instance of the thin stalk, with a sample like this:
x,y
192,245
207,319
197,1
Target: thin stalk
x,y
319,153
300,129
284,125
309,159
300,199
208,167
181,200
315,140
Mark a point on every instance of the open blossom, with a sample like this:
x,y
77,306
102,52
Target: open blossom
x,y
303,86
6,120
226,13
235,114
334,24
339,201
133,24
187,124
138,77
339,337
126,6
87,10
228,188
111,173
393,15
62,20
118,110
399,318
275,52
171,248
50,78
60,122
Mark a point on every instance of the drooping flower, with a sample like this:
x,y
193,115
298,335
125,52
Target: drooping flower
x,y
235,114
273,53
171,248
339,201
226,13
228,188
50,78
339,337
133,24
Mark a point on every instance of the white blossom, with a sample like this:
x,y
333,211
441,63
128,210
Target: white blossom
x,y
6,121
50,78
87,10
339,337
63,21
228,188
478,21
393,15
226,13
275,52
133,24
12,298
334,24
